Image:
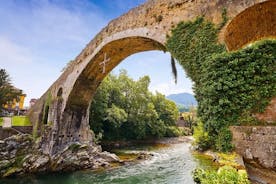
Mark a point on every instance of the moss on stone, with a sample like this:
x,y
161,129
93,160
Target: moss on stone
x,y
12,171
19,160
74,147
46,108
226,84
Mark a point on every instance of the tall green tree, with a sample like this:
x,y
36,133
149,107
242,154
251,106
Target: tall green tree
x,y
125,109
7,91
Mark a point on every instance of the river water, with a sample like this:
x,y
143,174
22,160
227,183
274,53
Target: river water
x,y
169,165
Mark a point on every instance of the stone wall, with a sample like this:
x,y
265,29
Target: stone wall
x,y
269,115
21,155
257,144
251,25
143,28
15,130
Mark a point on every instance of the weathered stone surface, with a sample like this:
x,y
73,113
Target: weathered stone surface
x,y
5,133
256,143
257,146
141,29
109,157
269,115
36,163
20,155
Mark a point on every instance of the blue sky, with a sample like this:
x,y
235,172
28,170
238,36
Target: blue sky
x,y
38,38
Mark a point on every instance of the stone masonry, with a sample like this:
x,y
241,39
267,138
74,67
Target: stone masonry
x,y
61,115
256,143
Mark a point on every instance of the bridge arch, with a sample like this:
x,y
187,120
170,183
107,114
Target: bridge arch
x,y
76,110
103,62
141,29
252,24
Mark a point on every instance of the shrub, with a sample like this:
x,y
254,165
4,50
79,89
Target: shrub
x,y
202,139
225,175
223,140
174,131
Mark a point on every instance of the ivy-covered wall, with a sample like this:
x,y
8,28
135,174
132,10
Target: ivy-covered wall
x,y
229,86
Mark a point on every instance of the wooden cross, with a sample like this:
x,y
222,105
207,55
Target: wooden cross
x,y
104,62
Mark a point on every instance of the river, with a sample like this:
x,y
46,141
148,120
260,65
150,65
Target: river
x,y
169,165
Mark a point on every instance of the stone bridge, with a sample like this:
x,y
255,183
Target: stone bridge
x,y
61,115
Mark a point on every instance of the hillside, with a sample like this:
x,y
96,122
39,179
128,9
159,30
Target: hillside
x,y
183,99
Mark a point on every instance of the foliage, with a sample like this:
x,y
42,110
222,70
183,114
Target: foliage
x,y
190,117
224,18
202,138
173,131
7,91
226,84
116,116
124,109
225,175
192,43
46,109
182,108
236,83
223,139
18,121
21,121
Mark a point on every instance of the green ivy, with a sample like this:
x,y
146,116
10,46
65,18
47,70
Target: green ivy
x,y
226,84
192,43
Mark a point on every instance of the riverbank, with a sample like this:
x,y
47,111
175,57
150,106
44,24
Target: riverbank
x,y
169,164
21,155
161,142
141,149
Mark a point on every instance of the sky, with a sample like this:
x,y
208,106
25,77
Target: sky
x,y
39,37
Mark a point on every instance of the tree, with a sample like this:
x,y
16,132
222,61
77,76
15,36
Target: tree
x,y
166,109
125,109
7,91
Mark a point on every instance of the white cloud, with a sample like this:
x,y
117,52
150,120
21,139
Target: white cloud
x,y
26,73
13,54
40,37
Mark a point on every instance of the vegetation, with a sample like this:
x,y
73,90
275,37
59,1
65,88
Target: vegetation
x,y
225,175
190,117
21,121
202,138
182,108
7,91
226,84
18,121
125,109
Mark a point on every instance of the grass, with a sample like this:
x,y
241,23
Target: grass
x,y
1,121
21,121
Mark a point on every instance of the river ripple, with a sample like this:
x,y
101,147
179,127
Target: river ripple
x,y
169,165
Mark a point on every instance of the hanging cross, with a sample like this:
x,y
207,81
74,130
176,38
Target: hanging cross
x,y
104,62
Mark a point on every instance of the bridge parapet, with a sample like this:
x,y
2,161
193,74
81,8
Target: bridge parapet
x,y
64,109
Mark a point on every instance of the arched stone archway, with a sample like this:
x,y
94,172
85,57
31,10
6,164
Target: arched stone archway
x,y
252,24
76,111
143,28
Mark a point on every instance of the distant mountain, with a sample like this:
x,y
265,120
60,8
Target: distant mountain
x,y
183,99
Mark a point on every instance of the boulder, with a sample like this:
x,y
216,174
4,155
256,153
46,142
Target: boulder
x,y
109,157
